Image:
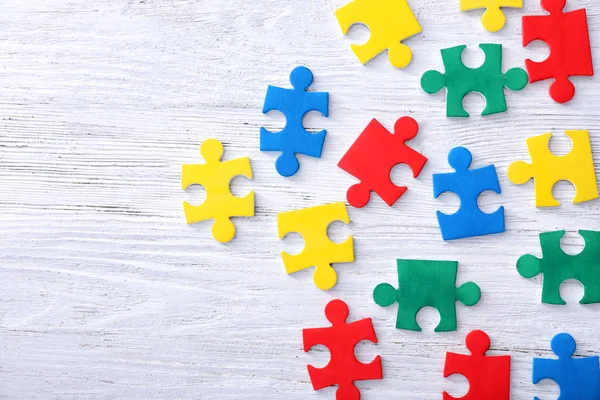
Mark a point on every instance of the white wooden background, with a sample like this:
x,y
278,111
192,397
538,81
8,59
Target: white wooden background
x,y
106,293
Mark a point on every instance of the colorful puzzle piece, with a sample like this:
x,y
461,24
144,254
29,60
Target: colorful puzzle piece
x,y
215,176
578,378
372,157
489,376
425,283
389,22
566,34
558,266
546,169
294,104
343,368
493,18
319,251
487,79
468,184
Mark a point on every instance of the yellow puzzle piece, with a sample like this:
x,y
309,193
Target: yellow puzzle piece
x,y
319,251
389,22
493,18
215,177
546,169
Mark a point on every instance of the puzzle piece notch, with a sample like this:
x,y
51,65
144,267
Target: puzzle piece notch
x,y
578,378
558,266
468,184
460,80
488,376
215,176
546,169
373,155
567,36
493,19
389,22
294,104
319,251
341,338
424,283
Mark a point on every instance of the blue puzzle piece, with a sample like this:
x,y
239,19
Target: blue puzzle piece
x,y
578,378
468,184
294,104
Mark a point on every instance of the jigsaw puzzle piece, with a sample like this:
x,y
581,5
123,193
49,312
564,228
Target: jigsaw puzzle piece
x,y
546,169
215,176
468,184
578,378
567,36
319,251
389,22
341,338
372,157
424,283
488,376
294,104
493,19
487,79
558,266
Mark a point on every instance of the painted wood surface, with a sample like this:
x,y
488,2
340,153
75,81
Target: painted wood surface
x,y
106,293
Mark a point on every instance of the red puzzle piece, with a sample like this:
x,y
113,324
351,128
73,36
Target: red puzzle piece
x,y
341,338
570,55
372,157
489,376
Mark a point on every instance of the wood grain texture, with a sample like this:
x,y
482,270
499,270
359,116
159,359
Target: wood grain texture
x,y
106,293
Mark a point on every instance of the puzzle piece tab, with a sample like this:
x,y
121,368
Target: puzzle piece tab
x,y
578,378
488,376
558,266
389,22
425,283
294,104
487,79
566,34
493,19
468,184
372,157
215,176
340,338
319,251
546,169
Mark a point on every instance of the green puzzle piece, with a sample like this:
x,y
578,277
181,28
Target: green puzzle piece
x,y
460,80
557,267
425,283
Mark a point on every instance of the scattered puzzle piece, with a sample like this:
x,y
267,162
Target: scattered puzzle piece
x,y
487,79
578,378
468,184
294,104
493,19
343,368
389,22
558,266
546,169
372,157
488,376
215,176
425,283
566,34
319,251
